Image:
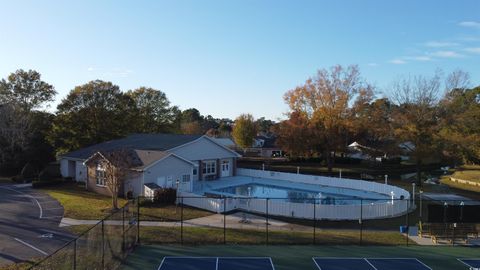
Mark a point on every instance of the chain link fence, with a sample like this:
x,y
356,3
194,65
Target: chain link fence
x,y
426,222
103,246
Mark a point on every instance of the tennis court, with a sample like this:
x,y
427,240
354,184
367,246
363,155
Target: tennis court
x,y
216,263
287,257
471,263
370,264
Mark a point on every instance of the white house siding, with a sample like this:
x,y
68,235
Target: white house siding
x,y
80,172
64,167
134,184
68,168
202,149
171,168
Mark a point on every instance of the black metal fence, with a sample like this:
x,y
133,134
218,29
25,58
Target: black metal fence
x,y
253,221
240,221
103,246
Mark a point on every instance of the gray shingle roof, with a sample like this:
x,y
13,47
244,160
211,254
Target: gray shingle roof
x,y
155,142
152,186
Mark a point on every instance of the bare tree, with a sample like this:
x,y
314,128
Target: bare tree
x,y
416,117
116,166
458,79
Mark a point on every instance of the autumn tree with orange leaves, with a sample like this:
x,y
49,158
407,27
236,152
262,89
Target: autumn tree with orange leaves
x,y
326,101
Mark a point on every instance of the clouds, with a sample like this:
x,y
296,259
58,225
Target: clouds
x,y
397,61
475,50
439,44
446,54
471,24
454,48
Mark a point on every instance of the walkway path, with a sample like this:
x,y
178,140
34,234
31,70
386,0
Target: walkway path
x,y
233,221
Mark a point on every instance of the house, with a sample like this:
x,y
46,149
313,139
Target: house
x,y
227,142
264,145
162,159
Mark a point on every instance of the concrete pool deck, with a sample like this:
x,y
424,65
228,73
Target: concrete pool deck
x,y
214,185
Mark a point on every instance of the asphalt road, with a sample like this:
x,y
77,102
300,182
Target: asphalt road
x,y
29,224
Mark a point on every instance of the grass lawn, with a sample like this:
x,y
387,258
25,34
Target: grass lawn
x,y
80,203
170,213
204,235
470,173
83,204
5,180
16,266
466,172
300,257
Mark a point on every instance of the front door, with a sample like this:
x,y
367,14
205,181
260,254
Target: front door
x,y
225,172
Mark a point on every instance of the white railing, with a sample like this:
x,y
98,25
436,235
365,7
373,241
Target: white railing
x,y
279,207
327,181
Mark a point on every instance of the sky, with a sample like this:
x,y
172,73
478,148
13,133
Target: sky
x,y
235,56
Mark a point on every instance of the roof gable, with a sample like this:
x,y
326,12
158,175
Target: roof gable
x,y
155,142
203,148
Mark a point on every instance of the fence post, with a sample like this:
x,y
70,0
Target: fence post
x,y
361,221
181,223
407,221
75,254
224,220
123,228
266,223
138,220
314,219
103,244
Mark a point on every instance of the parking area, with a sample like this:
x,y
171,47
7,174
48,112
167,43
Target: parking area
x,y
28,224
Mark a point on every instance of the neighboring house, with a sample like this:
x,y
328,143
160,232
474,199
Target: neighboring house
x,y
358,151
159,158
227,142
265,146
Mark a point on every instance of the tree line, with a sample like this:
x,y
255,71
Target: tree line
x,y
91,113
435,116
438,115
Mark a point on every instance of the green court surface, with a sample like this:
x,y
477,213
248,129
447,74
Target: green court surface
x,y
300,257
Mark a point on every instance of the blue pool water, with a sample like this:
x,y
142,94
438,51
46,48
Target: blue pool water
x,y
325,196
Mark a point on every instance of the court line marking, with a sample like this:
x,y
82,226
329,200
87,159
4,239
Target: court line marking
x,y
28,195
370,264
461,260
30,246
160,266
271,262
340,258
217,259
318,266
415,259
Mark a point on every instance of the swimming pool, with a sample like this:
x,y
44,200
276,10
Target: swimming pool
x,y
320,195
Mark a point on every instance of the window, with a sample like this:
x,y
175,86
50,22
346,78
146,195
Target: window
x,y
209,167
225,165
195,171
186,178
100,175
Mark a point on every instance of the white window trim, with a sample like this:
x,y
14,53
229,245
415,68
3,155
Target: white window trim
x,y
97,169
213,167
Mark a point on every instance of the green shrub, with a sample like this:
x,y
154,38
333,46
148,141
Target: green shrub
x,y
165,196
